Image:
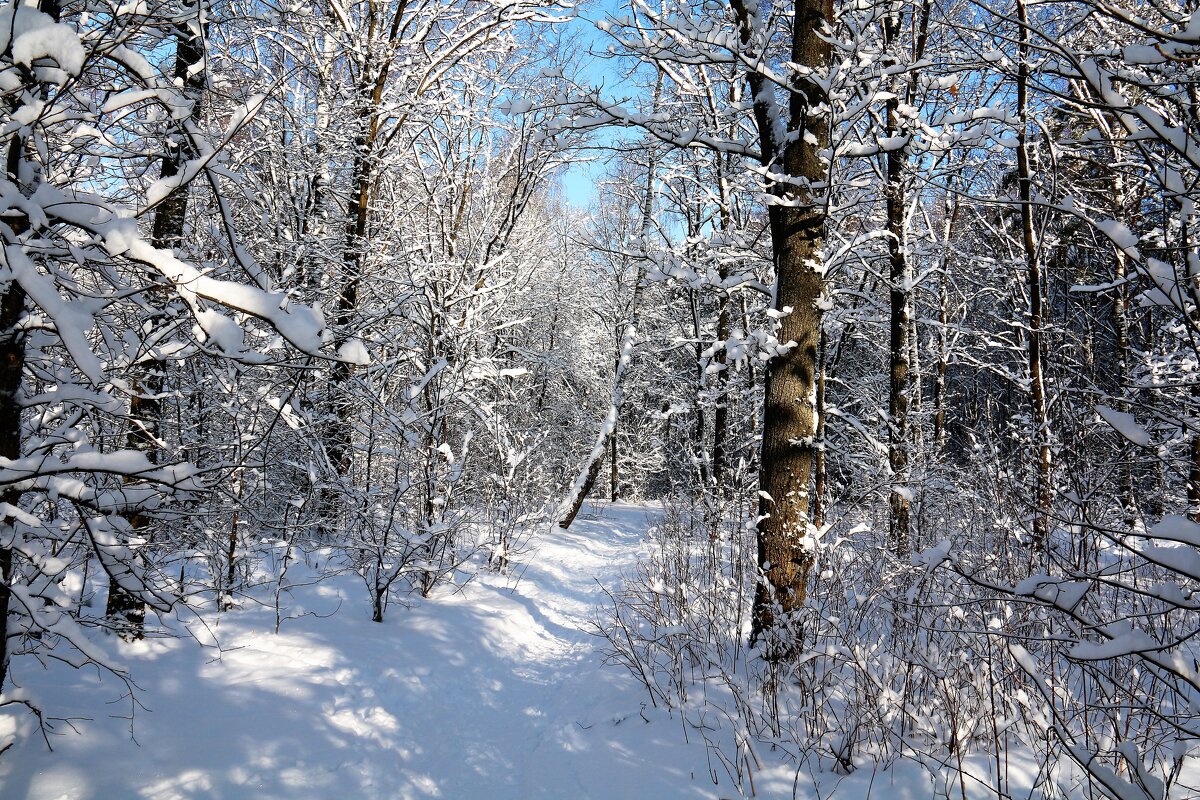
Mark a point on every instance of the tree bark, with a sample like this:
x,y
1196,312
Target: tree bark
x,y
797,236
720,456
613,474
369,90
145,406
1033,270
12,370
12,374
939,376
943,348
1193,484
818,511
899,322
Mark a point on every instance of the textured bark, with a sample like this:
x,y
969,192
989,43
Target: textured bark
x,y
1033,270
789,424
12,368
12,373
818,510
943,347
899,324
370,85
167,229
789,418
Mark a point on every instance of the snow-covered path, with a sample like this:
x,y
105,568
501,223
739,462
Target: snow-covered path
x,y
496,692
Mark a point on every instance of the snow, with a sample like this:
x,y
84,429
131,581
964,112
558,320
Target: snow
x,y
516,107
496,691
1118,232
1124,423
1121,640
353,351
35,35
1177,528
72,319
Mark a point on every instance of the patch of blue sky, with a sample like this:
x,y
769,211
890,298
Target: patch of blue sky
x,y
614,78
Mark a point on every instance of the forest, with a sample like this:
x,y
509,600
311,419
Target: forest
x,y
622,398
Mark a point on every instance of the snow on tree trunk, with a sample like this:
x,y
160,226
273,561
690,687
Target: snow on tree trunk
x,y
127,611
797,226
1033,266
899,319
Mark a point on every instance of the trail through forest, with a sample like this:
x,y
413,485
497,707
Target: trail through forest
x,y
496,691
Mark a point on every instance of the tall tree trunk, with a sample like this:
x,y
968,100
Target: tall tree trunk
x,y
12,370
614,444
12,374
1193,482
1120,323
720,456
797,237
1119,201
370,85
899,321
939,375
125,609
339,433
943,347
725,219
1033,268
818,512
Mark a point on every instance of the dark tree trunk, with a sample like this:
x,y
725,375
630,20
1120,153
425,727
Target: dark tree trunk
x,y
12,373
12,368
789,418
720,457
818,511
370,85
899,324
1033,267
1193,485
125,609
613,475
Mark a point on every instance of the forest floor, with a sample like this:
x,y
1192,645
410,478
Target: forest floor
x,y
498,690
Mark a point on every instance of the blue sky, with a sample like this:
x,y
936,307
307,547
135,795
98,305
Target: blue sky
x,y
579,179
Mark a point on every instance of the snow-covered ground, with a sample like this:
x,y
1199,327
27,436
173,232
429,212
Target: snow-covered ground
x,y
495,691
498,691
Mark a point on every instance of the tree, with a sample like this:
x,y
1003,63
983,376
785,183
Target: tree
x,y
790,115
78,267
166,232
790,137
